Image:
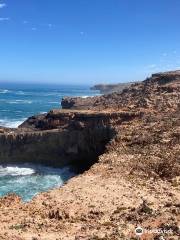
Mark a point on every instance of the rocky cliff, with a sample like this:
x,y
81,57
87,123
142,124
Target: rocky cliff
x,y
58,138
110,88
132,137
158,93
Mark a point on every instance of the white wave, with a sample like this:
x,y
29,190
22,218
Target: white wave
x,y
20,102
15,171
85,96
5,110
15,124
20,93
43,112
27,180
29,169
4,91
11,123
54,102
51,94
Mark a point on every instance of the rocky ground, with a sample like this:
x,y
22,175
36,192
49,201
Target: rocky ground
x,y
134,183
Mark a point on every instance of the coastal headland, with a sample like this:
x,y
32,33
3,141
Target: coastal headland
x,y
125,147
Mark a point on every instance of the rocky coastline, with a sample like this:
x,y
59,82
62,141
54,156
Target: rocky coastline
x,y
127,147
61,138
110,88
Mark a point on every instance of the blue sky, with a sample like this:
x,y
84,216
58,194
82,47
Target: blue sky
x,y
87,41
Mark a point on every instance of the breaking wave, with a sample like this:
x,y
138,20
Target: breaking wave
x,y
27,180
4,91
11,123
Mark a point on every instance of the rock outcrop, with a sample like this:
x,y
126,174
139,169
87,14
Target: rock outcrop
x,y
158,93
110,88
78,103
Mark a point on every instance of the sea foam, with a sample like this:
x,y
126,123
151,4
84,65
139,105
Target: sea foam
x,y
15,171
11,123
27,180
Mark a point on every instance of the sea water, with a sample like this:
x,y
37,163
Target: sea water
x,y
20,101
17,103
27,180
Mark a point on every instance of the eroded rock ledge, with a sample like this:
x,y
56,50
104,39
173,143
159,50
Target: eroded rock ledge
x,y
61,137
57,139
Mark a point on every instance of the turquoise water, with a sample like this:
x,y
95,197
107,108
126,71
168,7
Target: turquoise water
x,y
28,180
18,102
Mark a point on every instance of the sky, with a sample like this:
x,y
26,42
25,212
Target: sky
x,y
87,41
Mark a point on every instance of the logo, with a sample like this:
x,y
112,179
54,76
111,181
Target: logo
x,y
139,231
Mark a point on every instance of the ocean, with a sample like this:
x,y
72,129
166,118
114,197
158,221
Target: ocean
x,y
17,103
20,101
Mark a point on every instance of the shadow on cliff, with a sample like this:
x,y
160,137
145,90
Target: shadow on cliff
x,y
72,146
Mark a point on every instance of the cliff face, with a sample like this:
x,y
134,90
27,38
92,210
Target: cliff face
x,y
110,88
58,138
61,138
119,87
